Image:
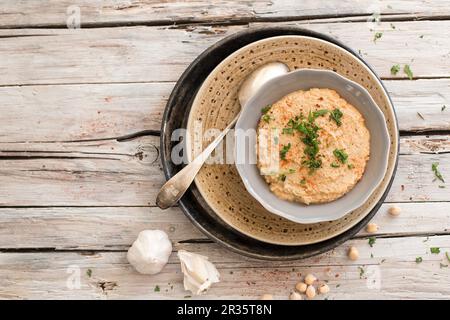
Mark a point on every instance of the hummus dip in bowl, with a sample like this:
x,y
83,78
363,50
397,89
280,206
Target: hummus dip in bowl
x,y
311,146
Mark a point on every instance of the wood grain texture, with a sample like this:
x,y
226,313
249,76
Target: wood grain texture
x,y
149,54
74,195
393,267
78,228
34,13
88,173
102,111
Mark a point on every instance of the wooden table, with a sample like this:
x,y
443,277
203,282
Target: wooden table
x,y
74,192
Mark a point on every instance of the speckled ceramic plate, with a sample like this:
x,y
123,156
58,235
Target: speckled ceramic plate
x,y
218,203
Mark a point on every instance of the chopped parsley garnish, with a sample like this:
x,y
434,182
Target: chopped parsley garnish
x,y
303,181
377,36
336,115
291,171
372,241
395,69
392,26
284,150
288,131
441,265
266,118
419,259
282,177
157,289
447,255
341,155
89,273
435,250
442,187
334,165
421,36
443,107
350,166
266,109
308,129
407,70
437,174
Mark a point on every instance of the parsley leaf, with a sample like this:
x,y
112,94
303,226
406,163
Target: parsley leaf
x,y
266,118
407,70
266,109
395,69
284,150
341,155
443,107
336,115
334,165
282,177
437,174
320,113
89,273
435,250
361,272
372,241
157,288
419,259
447,255
377,36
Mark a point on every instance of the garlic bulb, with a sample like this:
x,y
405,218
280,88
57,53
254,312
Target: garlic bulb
x,y
150,252
199,273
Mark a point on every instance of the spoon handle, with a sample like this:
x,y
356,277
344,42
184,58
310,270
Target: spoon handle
x,y
176,186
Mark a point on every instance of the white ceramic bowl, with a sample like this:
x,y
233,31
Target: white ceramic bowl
x,y
353,93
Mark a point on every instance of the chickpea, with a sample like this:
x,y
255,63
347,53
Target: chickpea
x,y
266,297
310,292
324,289
295,296
372,228
301,287
310,278
394,211
353,253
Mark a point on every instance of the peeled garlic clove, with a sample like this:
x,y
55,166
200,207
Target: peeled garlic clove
x,y
150,252
199,273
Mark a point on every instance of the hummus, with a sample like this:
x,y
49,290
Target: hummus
x,y
320,145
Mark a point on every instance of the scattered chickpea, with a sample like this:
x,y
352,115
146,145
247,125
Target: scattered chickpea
x,y
266,297
295,296
324,289
310,278
372,228
301,287
310,292
353,253
394,211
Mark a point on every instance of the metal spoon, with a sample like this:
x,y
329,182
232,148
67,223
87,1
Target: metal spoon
x,y
176,186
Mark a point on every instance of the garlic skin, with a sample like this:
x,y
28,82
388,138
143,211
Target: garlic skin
x,y
199,273
150,252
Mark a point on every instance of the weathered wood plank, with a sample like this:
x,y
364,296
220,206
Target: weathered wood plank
x,y
99,111
76,112
149,54
89,173
26,13
77,228
53,275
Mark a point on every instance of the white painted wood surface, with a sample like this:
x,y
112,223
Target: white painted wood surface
x,y
73,195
